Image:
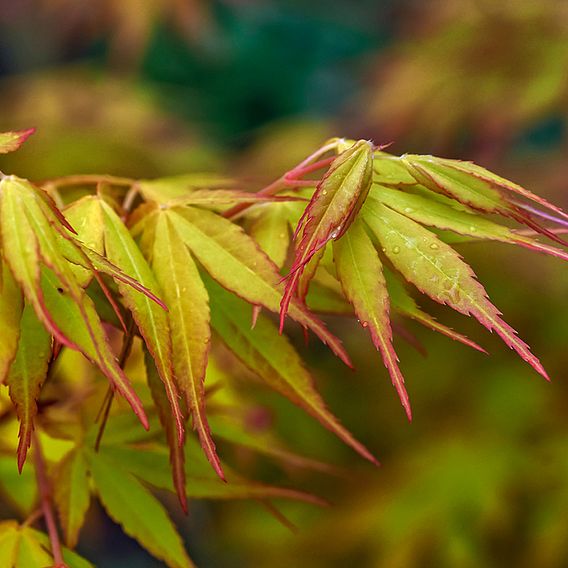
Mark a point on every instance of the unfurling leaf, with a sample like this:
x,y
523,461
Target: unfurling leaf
x,y
360,272
26,376
335,204
272,357
438,271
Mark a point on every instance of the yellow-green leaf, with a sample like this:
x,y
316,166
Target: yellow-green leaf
x,y
360,272
151,319
71,494
234,260
188,315
438,271
137,511
27,374
11,306
272,357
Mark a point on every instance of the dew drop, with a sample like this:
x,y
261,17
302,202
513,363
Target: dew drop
x,y
324,192
473,229
434,246
408,210
365,323
396,250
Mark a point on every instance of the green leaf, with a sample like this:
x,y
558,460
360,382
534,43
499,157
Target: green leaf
x,y
85,216
483,175
72,560
438,271
31,552
270,228
163,190
442,216
334,206
264,443
71,494
32,234
27,375
234,260
9,541
360,272
208,197
404,304
139,513
184,292
441,176
151,465
151,319
11,306
25,547
18,489
272,358
11,141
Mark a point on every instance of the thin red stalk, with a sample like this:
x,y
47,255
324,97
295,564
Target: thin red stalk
x,y
299,172
45,497
104,411
284,181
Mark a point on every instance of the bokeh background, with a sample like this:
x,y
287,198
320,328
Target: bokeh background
x,y
148,88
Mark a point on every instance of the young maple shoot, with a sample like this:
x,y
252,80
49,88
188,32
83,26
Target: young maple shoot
x,y
157,265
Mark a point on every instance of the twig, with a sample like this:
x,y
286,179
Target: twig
x,y
104,411
45,497
289,179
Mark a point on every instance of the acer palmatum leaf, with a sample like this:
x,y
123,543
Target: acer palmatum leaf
x,y
360,272
438,271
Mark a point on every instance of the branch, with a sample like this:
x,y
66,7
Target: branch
x,y
45,497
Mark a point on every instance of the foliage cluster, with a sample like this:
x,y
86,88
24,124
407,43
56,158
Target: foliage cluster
x,y
128,280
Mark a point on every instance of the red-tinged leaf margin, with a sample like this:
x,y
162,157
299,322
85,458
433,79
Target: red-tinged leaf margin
x,y
360,272
386,222
177,456
151,319
184,291
334,205
27,375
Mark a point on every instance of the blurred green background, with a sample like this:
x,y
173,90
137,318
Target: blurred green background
x,y
247,87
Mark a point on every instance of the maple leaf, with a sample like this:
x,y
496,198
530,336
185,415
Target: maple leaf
x,y
391,203
37,243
